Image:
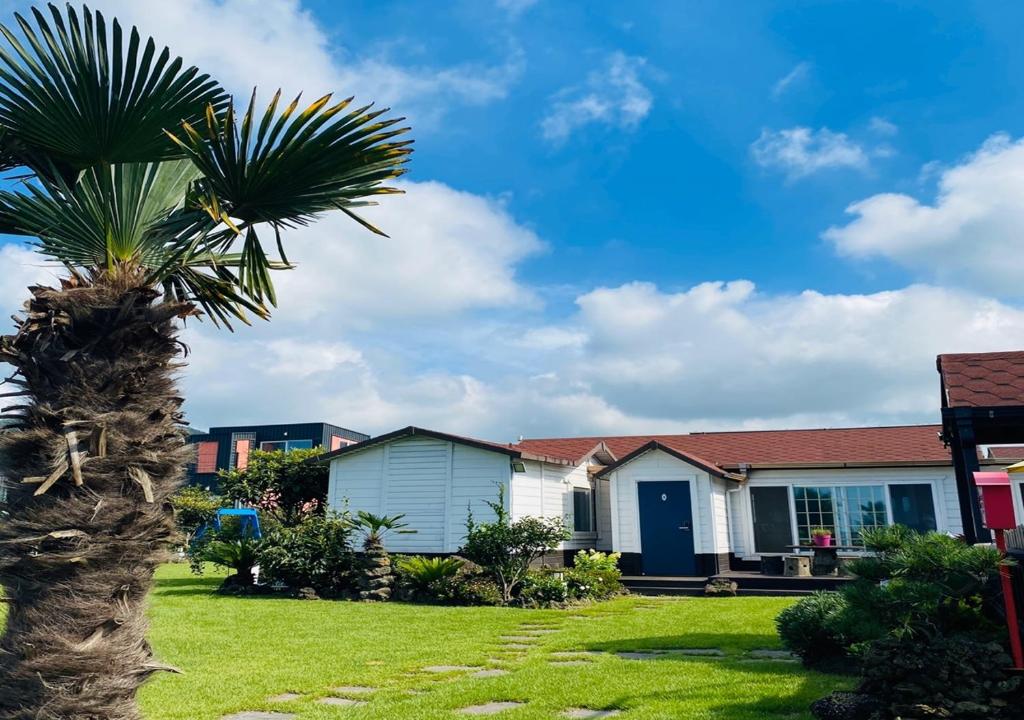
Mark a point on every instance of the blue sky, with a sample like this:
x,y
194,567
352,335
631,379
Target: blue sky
x,y
631,217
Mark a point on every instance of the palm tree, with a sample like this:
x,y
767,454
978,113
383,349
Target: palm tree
x,y
376,574
138,178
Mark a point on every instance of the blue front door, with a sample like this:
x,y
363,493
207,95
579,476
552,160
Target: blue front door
x,y
666,528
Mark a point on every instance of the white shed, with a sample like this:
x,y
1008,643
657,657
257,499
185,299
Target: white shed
x,y
436,480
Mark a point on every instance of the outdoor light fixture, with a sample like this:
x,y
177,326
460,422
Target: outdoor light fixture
x,y
518,466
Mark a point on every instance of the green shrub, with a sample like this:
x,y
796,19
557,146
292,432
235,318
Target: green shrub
x,y
194,507
505,549
420,573
594,575
542,589
813,628
316,553
466,589
280,484
239,554
942,676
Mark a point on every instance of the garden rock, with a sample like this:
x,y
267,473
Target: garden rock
x,y
376,577
491,708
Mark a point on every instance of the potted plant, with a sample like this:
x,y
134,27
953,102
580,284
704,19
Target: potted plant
x,y
821,537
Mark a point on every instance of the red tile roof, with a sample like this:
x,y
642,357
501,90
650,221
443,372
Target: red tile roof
x,y
982,379
729,450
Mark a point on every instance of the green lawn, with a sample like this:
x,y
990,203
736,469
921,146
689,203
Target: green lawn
x,y
238,652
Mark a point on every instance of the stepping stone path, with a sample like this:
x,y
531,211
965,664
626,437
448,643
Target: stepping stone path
x,y
538,631
698,652
341,702
353,690
284,697
519,638
663,652
489,673
567,663
253,715
516,646
575,653
491,708
779,655
449,668
589,713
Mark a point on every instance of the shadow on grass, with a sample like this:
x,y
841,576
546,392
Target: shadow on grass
x,y
730,643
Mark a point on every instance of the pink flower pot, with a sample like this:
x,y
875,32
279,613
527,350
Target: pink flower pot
x,y
822,540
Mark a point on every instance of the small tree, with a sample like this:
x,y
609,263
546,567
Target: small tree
x,y
281,484
505,549
194,507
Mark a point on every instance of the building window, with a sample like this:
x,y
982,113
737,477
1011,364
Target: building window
x,y
583,510
914,506
285,445
845,510
206,456
773,527
338,442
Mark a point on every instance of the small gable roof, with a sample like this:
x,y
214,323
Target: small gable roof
x,y
413,431
678,454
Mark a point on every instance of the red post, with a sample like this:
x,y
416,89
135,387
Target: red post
x,y
1011,606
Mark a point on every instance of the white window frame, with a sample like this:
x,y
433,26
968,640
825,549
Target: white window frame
x,y
750,551
593,511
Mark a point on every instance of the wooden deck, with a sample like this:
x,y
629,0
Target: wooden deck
x,y
749,583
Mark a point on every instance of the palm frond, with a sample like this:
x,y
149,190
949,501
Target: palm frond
x,y
294,165
82,97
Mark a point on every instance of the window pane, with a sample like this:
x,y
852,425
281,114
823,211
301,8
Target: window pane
x,y
816,510
297,444
913,506
582,510
865,508
274,446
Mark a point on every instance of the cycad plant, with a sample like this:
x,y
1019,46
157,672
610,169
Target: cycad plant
x,y
376,575
158,202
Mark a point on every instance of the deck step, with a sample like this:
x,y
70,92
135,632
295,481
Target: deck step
x,y
747,584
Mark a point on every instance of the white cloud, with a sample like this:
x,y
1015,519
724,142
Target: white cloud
x,y
279,44
448,251
801,151
799,74
613,96
883,126
720,354
20,267
971,233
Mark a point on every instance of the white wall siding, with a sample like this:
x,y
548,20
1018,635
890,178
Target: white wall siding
x,y
355,481
604,514
430,481
720,517
657,465
545,490
942,480
477,476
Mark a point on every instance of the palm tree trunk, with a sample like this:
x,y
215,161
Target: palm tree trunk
x,y
95,451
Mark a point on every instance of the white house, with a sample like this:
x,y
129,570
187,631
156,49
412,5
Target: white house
x,y
673,505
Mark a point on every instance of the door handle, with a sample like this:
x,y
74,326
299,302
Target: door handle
x,y
686,527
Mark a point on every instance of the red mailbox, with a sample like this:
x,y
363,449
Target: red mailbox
x,y
996,500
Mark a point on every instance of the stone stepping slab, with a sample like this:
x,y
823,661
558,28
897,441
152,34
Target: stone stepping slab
x,y
520,638
341,702
667,652
517,646
589,713
490,672
353,690
254,715
491,708
539,631
779,655
449,668
568,663
575,653
284,697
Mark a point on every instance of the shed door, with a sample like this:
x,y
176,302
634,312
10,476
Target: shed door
x,y
666,528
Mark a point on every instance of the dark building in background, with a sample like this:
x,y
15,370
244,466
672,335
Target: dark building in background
x,y
224,448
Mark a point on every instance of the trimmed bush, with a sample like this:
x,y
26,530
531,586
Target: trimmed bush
x,y
813,628
542,589
594,575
